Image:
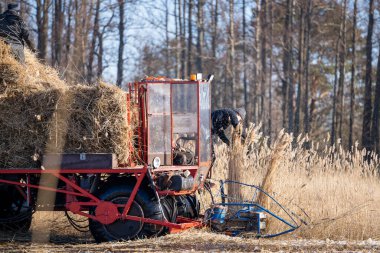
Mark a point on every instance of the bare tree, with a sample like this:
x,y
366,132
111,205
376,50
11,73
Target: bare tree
x,y
287,89
376,110
42,17
200,38
263,58
167,39
95,37
367,112
120,61
307,66
245,81
342,60
256,61
57,35
270,67
297,118
352,84
183,40
190,38
231,54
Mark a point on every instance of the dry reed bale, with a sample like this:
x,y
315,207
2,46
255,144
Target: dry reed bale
x,y
41,75
31,75
40,113
25,126
98,121
89,119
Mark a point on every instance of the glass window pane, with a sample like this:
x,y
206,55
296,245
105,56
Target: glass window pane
x,y
184,98
159,98
159,123
159,138
205,135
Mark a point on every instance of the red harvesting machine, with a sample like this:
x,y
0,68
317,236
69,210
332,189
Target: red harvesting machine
x,y
152,195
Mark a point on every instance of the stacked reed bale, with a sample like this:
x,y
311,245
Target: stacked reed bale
x,y
40,113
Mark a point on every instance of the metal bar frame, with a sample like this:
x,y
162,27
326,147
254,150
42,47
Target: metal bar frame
x,y
78,207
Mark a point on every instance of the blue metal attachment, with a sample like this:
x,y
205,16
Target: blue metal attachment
x,y
235,216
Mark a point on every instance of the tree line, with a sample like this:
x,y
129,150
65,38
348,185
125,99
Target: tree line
x,y
308,66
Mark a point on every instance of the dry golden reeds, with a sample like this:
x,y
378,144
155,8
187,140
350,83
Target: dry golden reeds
x,y
336,191
40,114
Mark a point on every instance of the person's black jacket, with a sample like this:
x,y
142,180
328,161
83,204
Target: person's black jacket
x,y
222,119
13,30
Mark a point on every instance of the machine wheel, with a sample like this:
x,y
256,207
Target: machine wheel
x,y
188,206
14,215
143,205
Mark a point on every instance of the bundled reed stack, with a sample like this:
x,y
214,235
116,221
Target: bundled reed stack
x,y
40,113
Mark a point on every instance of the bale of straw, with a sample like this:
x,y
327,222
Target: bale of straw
x,y
40,113
25,126
98,121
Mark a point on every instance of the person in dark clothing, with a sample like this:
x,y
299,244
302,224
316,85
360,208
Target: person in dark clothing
x,y
223,118
14,32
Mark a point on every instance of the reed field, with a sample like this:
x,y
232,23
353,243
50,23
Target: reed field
x,y
335,192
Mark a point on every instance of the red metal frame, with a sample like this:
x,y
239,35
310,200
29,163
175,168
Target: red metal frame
x,y
73,190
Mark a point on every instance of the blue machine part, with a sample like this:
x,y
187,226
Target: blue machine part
x,y
218,214
250,213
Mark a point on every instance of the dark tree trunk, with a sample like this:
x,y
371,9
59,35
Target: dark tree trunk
x,y
231,60
95,36
183,41
352,84
120,62
256,62
245,82
58,22
333,118
342,60
367,113
307,63
287,89
167,40
376,109
178,29
200,38
297,119
263,56
42,16
217,95
68,32
270,68
190,39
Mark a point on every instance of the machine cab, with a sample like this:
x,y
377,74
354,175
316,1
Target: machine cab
x,y
178,125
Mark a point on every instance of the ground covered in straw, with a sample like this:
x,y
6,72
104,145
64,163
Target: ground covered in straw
x,y
195,241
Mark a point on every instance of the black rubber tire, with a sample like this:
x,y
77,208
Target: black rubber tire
x,y
169,206
13,217
21,226
150,208
188,206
